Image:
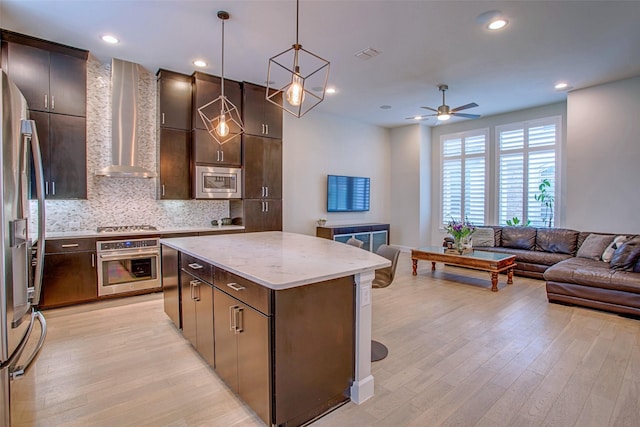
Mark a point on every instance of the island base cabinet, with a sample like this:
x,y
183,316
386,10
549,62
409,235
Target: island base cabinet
x,y
197,315
242,351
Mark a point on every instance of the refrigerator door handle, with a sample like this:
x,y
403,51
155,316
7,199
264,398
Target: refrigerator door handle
x,y
30,131
19,371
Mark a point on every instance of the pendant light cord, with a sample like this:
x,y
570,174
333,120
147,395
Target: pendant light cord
x,y
297,18
222,62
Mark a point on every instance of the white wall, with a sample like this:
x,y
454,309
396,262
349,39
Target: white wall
x,y
603,157
411,186
490,122
319,144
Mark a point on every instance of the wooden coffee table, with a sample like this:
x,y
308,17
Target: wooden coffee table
x,y
492,262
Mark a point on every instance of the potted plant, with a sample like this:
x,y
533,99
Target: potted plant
x,y
547,200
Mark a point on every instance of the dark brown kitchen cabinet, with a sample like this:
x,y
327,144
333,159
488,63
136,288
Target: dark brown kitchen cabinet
x,y
50,81
262,215
196,291
64,154
69,275
263,167
171,284
207,151
207,88
175,149
260,116
174,92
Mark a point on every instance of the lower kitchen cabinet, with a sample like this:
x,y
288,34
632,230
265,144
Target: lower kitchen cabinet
x,y
262,215
171,284
197,314
69,275
242,351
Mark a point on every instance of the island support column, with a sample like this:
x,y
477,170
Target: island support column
x,y
362,387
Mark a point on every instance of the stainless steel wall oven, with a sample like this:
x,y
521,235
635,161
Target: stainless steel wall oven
x,y
128,265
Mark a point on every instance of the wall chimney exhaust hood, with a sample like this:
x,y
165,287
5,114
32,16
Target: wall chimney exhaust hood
x,y
124,111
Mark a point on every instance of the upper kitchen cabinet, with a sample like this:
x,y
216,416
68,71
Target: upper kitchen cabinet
x,y
260,116
175,156
174,91
207,88
64,154
262,167
207,151
52,77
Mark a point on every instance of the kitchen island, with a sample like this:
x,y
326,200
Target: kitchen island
x,y
291,318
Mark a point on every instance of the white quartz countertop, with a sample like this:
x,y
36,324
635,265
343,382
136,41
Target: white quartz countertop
x,y
172,230
279,260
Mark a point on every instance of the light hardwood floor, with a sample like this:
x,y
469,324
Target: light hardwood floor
x,y
458,355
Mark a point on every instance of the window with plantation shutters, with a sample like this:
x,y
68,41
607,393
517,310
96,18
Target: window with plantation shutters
x,y
527,154
464,163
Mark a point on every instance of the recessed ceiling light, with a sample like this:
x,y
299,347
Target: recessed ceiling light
x,y
199,63
561,86
331,90
492,20
385,107
108,38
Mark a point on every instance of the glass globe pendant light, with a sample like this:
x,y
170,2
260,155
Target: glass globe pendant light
x,y
296,78
227,124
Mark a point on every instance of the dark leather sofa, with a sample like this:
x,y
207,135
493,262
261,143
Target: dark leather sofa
x,y
550,254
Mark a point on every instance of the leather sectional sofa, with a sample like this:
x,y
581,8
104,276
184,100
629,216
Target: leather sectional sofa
x,y
574,275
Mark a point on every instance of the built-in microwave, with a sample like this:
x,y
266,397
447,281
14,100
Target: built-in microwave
x,y
218,183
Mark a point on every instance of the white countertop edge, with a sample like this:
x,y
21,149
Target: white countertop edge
x,y
374,262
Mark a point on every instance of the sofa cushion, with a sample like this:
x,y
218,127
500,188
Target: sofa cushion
x,y
484,236
557,240
519,237
527,256
596,274
609,250
624,258
594,245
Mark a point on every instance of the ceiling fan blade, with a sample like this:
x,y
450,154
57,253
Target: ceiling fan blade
x,y
468,116
429,108
416,118
464,107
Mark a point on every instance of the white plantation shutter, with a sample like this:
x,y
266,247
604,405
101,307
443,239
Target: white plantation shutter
x,y
526,157
464,159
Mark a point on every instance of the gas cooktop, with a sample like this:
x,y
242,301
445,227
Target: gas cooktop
x,y
126,228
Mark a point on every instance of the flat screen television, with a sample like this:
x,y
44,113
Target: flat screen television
x,y
347,193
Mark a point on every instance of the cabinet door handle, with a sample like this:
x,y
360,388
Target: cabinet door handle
x,y
222,156
195,295
266,191
262,210
93,260
53,188
266,206
46,187
46,101
70,245
263,128
239,320
267,127
232,318
162,118
195,266
236,287
162,190
53,102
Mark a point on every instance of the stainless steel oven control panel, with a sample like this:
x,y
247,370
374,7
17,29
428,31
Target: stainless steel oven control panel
x,y
114,245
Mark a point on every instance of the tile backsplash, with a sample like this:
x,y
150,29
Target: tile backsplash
x,y
124,201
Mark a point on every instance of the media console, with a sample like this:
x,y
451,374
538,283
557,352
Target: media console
x,y
372,234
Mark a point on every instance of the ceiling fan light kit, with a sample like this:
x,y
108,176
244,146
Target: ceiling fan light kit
x,y
220,116
296,78
492,20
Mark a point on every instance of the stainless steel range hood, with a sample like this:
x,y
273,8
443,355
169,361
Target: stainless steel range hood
x,y
124,111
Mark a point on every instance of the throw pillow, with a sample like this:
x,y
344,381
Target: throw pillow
x,y
625,257
594,245
484,236
608,252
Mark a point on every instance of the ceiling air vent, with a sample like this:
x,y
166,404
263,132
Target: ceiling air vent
x,y
367,53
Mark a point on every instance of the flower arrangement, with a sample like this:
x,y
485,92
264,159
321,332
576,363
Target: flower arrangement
x,y
460,229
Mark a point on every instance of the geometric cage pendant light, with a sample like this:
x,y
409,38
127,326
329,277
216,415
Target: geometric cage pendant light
x,y
221,116
296,78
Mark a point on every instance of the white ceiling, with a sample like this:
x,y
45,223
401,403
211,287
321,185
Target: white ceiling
x,y
422,44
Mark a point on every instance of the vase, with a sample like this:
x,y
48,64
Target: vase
x,y
458,245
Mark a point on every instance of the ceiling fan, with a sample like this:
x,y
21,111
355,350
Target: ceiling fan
x,y
444,112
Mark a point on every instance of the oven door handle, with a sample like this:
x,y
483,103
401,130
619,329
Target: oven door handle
x,y
124,255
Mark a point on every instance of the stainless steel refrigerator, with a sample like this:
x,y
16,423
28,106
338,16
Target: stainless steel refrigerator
x,y
20,271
